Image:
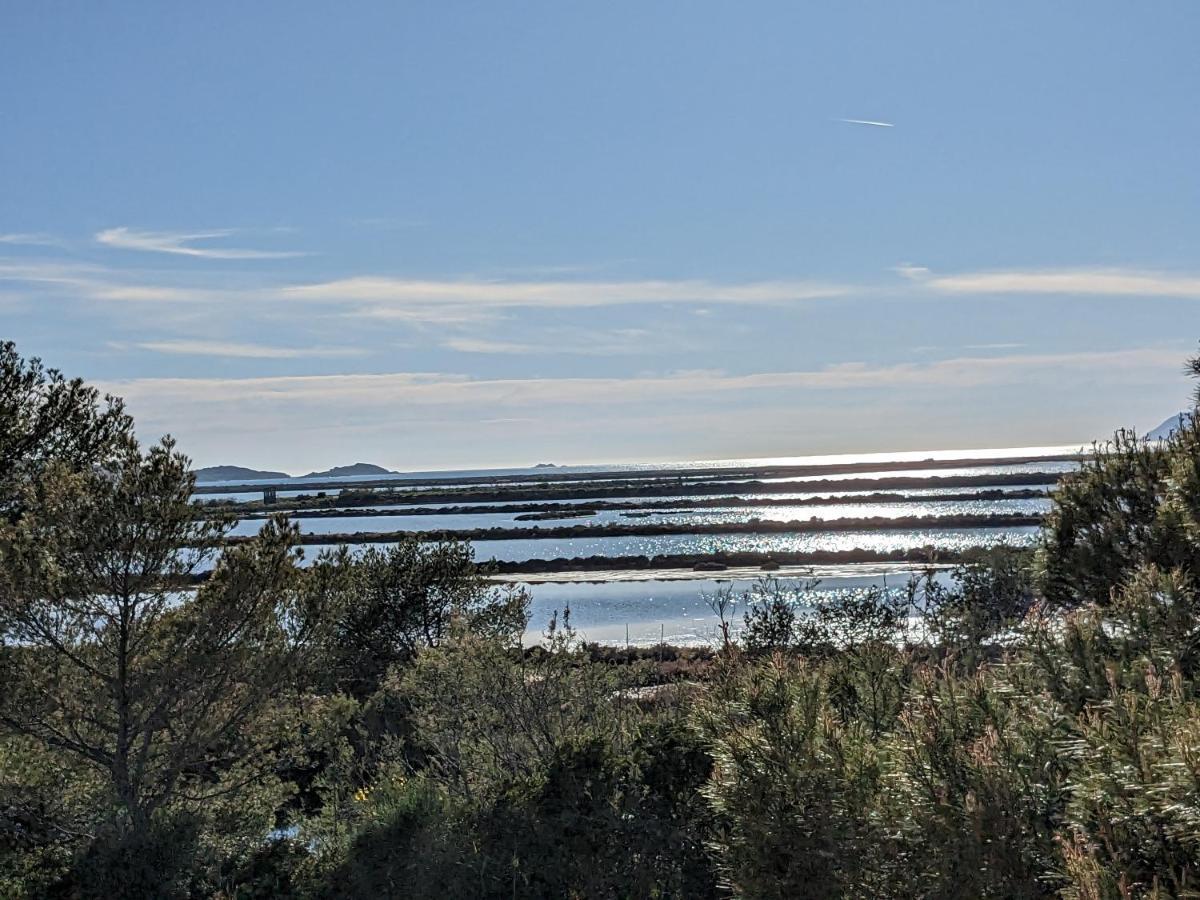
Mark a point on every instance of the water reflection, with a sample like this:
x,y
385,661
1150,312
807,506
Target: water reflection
x,y
670,544
704,515
677,611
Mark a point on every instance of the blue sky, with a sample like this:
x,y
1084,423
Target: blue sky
x,y
439,235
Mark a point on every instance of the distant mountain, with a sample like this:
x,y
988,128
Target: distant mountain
x,y
235,473
1163,431
353,469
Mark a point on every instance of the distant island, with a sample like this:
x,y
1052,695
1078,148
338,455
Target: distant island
x,y
209,474
235,473
352,469
1164,431
546,466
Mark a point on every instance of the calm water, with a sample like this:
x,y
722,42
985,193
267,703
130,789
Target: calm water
x,y
675,607
670,544
676,611
657,545
705,516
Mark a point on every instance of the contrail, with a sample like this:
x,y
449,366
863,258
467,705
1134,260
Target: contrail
x,y
867,122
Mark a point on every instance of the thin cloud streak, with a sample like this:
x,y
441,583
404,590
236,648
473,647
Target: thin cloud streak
x,y
34,239
247,351
471,301
454,301
379,391
1092,282
483,345
574,341
559,294
181,244
868,122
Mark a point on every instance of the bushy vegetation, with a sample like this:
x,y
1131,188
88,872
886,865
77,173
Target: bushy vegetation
x,y
176,721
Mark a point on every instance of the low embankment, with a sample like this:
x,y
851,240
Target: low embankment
x,y
650,529
659,488
716,562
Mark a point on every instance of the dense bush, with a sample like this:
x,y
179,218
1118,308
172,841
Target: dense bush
x,y
1133,503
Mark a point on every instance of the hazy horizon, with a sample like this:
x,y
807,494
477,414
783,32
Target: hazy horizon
x,y
963,453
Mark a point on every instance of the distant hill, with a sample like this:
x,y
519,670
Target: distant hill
x,y
236,473
353,469
1163,431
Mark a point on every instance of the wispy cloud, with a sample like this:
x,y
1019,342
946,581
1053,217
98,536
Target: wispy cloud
x,y
484,345
460,300
440,302
573,341
342,393
183,243
246,351
47,272
874,122
30,239
1093,282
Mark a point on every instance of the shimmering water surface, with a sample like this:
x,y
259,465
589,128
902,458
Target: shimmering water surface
x,y
670,544
703,516
646,605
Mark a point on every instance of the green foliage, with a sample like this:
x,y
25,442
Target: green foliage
x,y
1133,504
770,619
976,786
487,713
152,862
539,774
789,786
47,420
110,666
409,843
394,601
991,594
1071,766
156,707
1128,676
775,618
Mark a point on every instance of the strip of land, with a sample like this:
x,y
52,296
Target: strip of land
x,y
729,573
651,529
590,491
720,561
